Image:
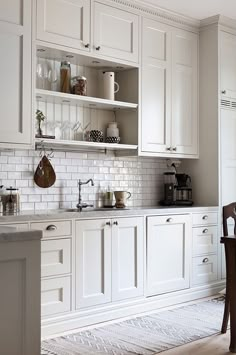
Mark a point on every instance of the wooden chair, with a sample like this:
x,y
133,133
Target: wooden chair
x,y
228,211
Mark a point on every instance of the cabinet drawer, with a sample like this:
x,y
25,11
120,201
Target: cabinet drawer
x,y
205,218
55,257
55,296
53,228
204,240
16,225
204,269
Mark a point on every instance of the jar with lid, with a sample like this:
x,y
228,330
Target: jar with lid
x,y
12,201
79,85
65,77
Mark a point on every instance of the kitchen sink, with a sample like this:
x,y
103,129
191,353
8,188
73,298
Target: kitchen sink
x,y
90,209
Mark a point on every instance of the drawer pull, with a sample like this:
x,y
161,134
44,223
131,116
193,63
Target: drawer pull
x,y
51,227
205,217
108,223
205,230
205,260
169,220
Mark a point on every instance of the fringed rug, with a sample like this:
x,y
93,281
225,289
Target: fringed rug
x,y
146,335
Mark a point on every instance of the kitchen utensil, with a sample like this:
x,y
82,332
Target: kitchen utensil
x,y
44,175
112,139
96,135
108,86
121,197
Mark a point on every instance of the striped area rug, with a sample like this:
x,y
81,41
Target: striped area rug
x,y
146,335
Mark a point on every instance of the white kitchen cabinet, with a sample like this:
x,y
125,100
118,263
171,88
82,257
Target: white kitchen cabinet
x,y
15,72
169,121
127,258
204,270
168,253
93,262
109,260
64,22
227,60
115,32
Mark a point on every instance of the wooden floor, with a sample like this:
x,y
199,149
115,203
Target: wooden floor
x,y
214,345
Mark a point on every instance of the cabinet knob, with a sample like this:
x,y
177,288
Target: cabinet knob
x,y
205,230
169,220
51,227
174,149
115,223
205,217
98,48
205,260
168,148
223,92
108,223
86,45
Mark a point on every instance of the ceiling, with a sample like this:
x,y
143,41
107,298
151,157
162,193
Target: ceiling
x,y
198,9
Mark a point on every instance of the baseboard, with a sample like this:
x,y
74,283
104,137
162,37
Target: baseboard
x,y
75,320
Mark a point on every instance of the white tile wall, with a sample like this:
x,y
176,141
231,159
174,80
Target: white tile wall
x,y
143,177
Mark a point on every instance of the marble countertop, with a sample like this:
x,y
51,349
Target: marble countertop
x,y
102,213
12,234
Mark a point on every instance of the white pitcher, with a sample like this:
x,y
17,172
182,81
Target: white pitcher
x,y
109,86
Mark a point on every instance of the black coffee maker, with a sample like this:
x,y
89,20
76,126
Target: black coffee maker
x,y
169,189
183,190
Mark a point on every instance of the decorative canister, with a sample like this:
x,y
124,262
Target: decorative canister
x,y
65,77
112,130
79,85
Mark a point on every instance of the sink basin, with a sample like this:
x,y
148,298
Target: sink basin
x,y
91,209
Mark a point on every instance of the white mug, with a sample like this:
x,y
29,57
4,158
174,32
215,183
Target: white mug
x,y
109,86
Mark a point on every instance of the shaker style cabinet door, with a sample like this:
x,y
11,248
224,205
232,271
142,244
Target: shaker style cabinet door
x,y
168,253
184,93
64,22
227,64
115,33
15,72
127,258
93,262
156,87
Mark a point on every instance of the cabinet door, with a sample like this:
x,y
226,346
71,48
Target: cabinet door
x,y
156,86
127,258
64,22
168,253
184,93
227,64
93,263
115,33
15,71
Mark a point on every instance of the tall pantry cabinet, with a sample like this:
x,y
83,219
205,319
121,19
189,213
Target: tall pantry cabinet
x,y
15,73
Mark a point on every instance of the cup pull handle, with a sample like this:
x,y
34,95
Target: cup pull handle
x,y
205,230
169,220
205,217
205,260
51,227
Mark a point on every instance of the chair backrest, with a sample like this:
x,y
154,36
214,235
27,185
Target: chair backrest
x,y
229,211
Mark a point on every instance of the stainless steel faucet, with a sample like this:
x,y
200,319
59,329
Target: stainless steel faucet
x,y
80,205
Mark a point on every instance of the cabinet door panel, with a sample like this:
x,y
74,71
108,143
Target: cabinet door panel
x,y
156,71
115,32
64,22
127,258
168,253
204,269
15,86
93,263
184,92
11,11
228,60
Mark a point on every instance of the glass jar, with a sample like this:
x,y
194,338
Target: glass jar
x,y
79,85
12,201
65,77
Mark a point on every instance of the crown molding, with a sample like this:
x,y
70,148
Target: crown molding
x,y
150,9
219,20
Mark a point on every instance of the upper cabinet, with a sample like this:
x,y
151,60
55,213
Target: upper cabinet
x,y
228,67
66,22
112,32
169,121
15,72
115,33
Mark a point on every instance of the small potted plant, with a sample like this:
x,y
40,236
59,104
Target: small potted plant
x,y
40,118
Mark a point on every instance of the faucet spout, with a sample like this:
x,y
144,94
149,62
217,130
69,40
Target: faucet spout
x,y
81,205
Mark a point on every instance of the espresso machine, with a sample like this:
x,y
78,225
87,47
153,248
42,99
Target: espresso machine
x,y
177,189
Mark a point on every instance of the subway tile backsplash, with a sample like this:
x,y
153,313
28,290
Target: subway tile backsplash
x,y
143,177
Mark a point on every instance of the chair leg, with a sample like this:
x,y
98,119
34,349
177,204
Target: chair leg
x,y
226,316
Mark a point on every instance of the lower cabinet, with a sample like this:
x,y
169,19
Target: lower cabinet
x,y
168,253
109,260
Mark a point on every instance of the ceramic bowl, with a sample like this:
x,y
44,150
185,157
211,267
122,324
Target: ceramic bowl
x,y
113,140
96,136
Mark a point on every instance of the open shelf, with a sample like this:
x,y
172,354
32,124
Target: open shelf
x,y
81,145
83,101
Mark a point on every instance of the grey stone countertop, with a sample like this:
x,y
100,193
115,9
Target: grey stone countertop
x,y
12,234
102,213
